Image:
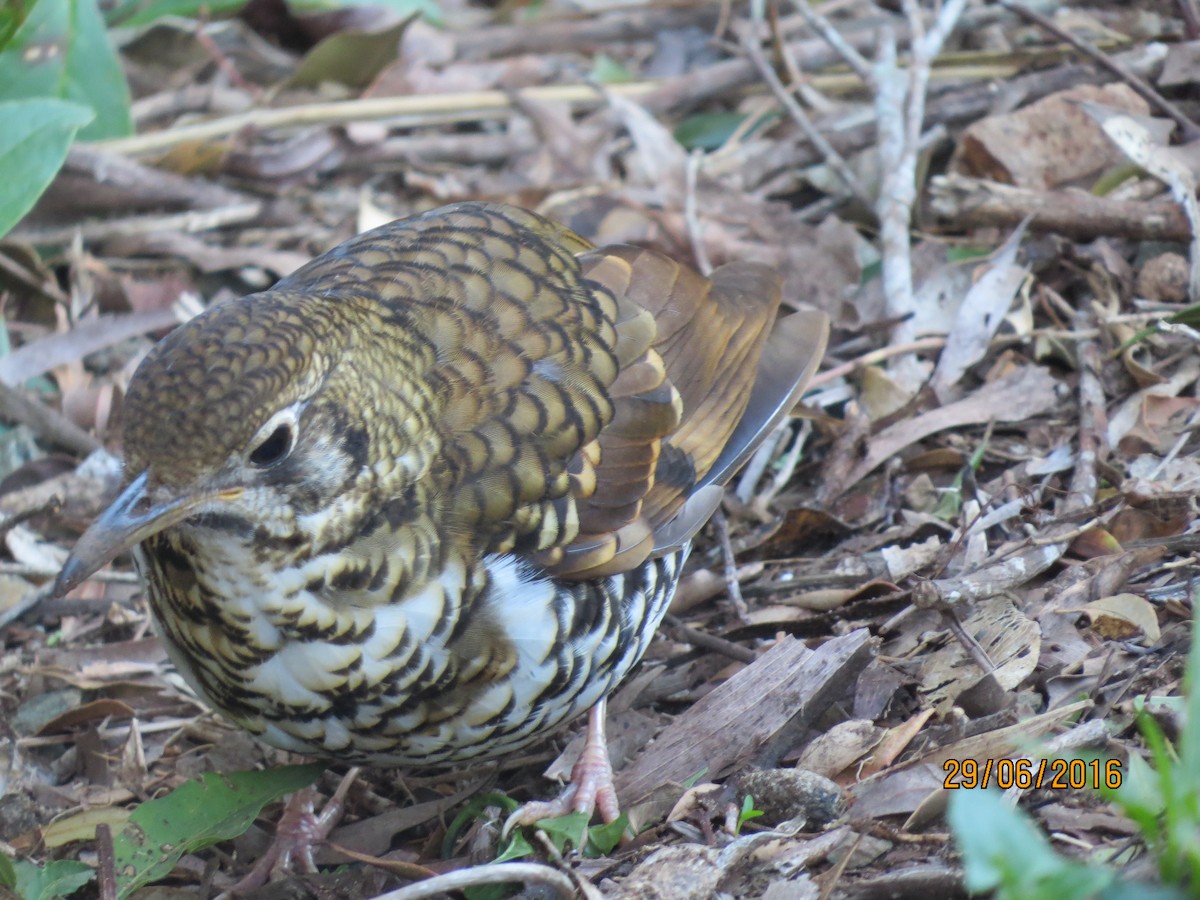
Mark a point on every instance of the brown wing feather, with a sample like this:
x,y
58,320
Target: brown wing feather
x,y
614,535
711,334
580,396
685,405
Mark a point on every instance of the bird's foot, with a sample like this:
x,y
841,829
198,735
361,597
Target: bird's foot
x,y
591,787
299,830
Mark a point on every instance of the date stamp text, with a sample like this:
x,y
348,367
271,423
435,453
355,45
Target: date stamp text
x,y
1032,774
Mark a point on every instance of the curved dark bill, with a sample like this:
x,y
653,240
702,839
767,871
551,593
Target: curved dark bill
x,y
129,519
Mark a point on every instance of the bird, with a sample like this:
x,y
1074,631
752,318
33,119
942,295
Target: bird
x,y
427,499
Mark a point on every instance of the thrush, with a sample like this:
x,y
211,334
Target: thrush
x,y
427,498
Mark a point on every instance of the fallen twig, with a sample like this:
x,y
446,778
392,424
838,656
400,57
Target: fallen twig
x,y
971,202
832,158
503,873
45,422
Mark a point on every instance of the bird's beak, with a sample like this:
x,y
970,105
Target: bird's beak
x,y
129,520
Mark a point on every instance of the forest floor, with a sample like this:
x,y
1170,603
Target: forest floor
x,y
973,548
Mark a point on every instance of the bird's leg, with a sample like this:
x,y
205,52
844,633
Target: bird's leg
x,y
300,828
592,774
591,786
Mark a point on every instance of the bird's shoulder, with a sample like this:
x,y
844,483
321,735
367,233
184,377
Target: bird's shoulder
x,y
583,394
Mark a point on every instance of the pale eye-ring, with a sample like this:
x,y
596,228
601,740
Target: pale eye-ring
x,y
274,441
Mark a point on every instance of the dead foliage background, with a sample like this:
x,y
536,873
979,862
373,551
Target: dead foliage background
x,y
980,529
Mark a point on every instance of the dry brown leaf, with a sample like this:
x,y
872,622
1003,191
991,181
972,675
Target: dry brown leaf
x,y
1094,542
1162,420
1010,640
880,394
1045,144
1024,394
980,315
40,356
1121,617
904,561
81,826
1131,410
893,743
840,748
906,786
95,711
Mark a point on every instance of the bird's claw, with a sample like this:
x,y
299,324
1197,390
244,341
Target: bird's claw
x,y
299,830
591,787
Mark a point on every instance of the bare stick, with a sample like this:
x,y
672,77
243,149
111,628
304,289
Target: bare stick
x,y
900,108
691,218
876,356
550,880
972,203
15,406
732,585
707,641
103,229
834,39
832,158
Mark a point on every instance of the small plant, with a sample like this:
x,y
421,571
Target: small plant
x,y
159,832
747,813
59,78
569,832
1003,850
565,833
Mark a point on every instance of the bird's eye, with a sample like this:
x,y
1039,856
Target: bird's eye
x,y
274,448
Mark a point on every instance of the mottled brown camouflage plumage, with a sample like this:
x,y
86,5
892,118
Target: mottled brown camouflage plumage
x,y
428,497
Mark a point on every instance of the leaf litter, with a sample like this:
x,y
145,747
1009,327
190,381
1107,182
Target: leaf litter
x,y
935,570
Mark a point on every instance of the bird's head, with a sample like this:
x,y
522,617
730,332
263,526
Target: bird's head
x,y
240,417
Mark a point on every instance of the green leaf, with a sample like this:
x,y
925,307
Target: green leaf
x,y
33,144
1004,851
196,815
518,848
964,252
607,70
707,131
1179,780
870,272
1142,891
471,810
710,131
61,50
1189,315
603,839
566,831
747,812
1139,795
352,58
489,891
1189,741
8,875
11,17
59,878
